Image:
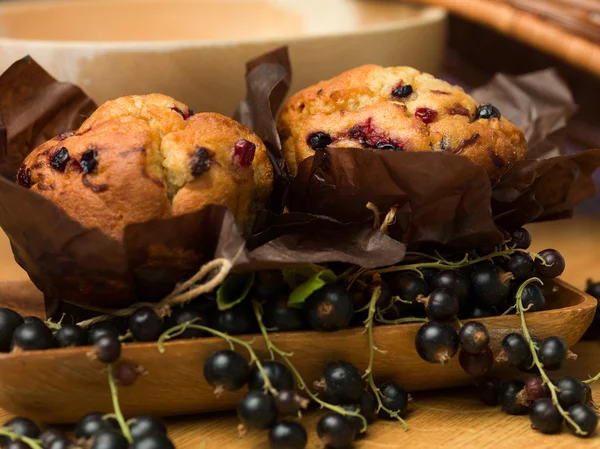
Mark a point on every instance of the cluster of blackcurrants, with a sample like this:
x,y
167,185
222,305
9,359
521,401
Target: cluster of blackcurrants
x,y
93,431
261,408
533,396
593,332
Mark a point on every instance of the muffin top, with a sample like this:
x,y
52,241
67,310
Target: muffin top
x,y
397,109
143,157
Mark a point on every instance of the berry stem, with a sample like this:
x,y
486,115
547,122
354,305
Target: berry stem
x,y
410,319
31,442
369,372
115,400
301,383
591,380
533,348
180,329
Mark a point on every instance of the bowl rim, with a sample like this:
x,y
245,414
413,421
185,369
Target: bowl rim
x,y
429,15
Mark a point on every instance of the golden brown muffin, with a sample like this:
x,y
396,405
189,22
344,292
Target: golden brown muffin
x,y
139,158
397,109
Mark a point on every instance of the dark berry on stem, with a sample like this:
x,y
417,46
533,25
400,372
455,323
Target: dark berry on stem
x,y
236,320
283,318
71,335
552,353
93,422
477,311
269,283
342,382
288,402
516,348
393,397
153,441
436,342
355,421
256,410
521,238
61,443
474,337
109,439
226,370
429,274
126,374
455,282
545,416
532,298
409,287
520,265
100,329
490,284
510,400
368,406
146,425
487,111
32,335
145,324
108,348
476,364
489,390
535,388
280,376
184,315
555,262
287,435
335,431
9,321
571,392
51,434
329,308
402,91
319,140
24,427
585,417
441,305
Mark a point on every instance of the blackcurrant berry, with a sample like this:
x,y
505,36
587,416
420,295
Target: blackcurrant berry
x,y
532,298
108,348
145,324
474,337
9,321
288,402
91,423
408,286
476,364
571,392
100,329
489,390
256,410
535,389
146,425
455,282
109,439
545,416
490,284
280,376
61,443
236,320
16,444
441,305
552,353
511,402
182,315
24,427
126,374
555,263
520,265
429,274
329,308
335,431
592,288
226,370
269,283
283,318
33,335
342,382
585,417
477,311
393,397
521,238
287,435
153,441
71,335
436,342
51,434
517,349
368,406
355,421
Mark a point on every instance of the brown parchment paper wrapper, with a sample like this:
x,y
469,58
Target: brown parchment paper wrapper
x,y
71,264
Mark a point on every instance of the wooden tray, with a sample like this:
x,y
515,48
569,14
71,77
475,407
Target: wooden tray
x,y
60,385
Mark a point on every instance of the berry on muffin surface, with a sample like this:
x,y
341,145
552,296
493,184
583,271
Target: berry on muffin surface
x,y
397,109
143,157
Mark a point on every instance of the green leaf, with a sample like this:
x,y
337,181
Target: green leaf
x,y
312,284
291,274
234,290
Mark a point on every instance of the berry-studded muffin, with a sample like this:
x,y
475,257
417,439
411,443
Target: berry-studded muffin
x,y
139,158
397,109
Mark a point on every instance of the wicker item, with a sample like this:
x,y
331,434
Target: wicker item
x,y
567,29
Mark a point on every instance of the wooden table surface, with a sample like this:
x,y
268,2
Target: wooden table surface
x,y
448,418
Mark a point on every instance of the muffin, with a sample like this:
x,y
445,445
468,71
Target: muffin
x,y
139,158
397,109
